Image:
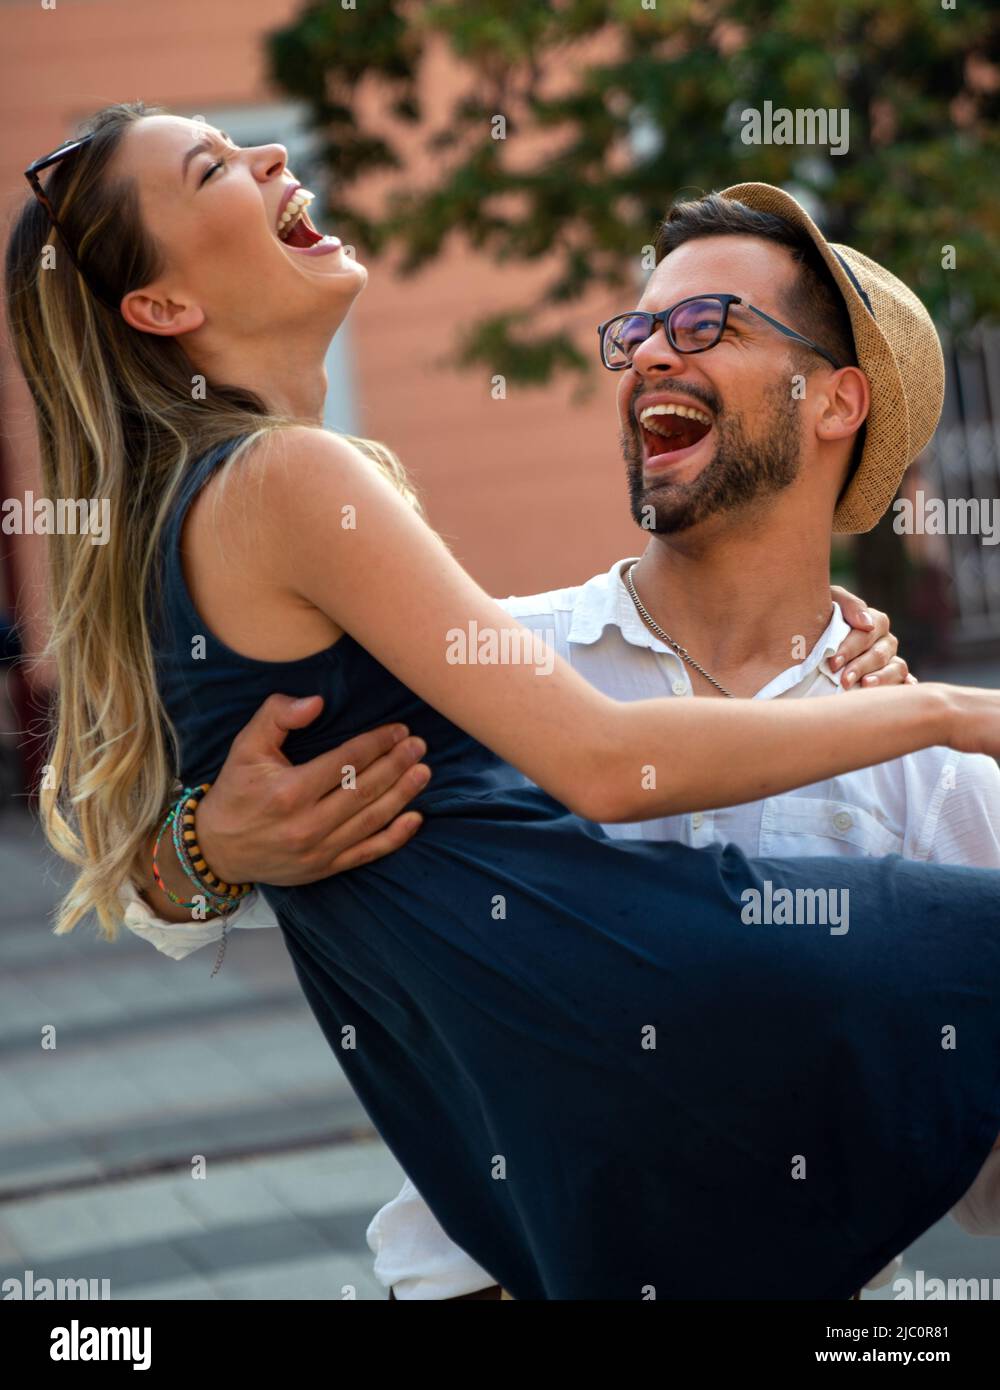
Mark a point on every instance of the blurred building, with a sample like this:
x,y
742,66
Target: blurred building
x,y
529,490
963,461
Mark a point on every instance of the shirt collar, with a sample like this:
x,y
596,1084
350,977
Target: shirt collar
x,y
816,664
605,602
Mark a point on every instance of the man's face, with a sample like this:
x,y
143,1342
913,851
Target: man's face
x,y
676,465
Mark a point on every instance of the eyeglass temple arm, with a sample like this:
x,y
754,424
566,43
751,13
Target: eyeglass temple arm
x,y
46,161
791,333
37,165
64,239
31,174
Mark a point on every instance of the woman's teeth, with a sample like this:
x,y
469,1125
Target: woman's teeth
x,y
293,210
688,412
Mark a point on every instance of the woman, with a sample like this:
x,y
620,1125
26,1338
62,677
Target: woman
x,y
614,1066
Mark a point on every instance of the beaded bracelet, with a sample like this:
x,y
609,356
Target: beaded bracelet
x,y
188,850
185,845
203,876
220,902
224,895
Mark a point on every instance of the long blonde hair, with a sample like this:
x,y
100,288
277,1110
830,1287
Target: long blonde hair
x,y
117,419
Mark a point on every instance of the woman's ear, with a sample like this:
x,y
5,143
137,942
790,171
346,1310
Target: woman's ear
x,y
152,313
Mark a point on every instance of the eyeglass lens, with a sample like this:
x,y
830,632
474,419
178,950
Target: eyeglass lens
x,y
694,326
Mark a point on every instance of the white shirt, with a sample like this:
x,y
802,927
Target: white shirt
x,y
935,805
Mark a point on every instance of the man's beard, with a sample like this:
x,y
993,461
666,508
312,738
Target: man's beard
x,y
742,470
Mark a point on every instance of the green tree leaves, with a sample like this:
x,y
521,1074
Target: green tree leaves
x,y
612,110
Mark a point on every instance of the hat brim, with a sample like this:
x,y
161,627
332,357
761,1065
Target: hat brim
x,y
886,454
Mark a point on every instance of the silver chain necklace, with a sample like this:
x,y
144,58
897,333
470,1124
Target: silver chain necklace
x,y
665,637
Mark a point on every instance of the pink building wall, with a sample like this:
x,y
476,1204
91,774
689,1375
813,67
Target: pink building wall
x,y
528,490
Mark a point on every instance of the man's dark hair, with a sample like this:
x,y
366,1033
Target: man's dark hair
x,y
813,301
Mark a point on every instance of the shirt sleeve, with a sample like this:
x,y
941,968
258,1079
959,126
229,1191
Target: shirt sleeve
x,y
963,818
963,827
179,939
415,1258
978,1212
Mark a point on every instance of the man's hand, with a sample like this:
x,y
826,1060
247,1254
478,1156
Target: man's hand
x,y
867,656
265,820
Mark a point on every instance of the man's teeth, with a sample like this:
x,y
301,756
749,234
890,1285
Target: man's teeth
x,y
293,210
687,411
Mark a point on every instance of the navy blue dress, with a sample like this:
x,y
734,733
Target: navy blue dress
x,y
601,1079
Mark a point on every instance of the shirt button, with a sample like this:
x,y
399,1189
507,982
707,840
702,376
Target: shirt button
x,y
679,687
843,821
697,820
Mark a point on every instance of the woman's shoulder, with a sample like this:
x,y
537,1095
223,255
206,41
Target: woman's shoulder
x,y
258,475
296,478
287,453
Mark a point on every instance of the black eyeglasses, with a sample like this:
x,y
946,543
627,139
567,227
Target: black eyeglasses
x,y
692,325
31,174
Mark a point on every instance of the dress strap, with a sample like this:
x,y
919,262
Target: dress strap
x,y
197,476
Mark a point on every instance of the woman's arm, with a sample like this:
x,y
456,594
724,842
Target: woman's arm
x,y
299,822
333,529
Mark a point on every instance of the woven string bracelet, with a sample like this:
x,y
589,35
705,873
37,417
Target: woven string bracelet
x,y
169,819
203,876
219,902
222,903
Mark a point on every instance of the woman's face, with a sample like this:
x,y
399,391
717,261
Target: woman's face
x,y
215,209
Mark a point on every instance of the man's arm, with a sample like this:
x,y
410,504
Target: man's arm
x,y
961,823
265,819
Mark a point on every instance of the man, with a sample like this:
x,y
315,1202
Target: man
x,y
762,407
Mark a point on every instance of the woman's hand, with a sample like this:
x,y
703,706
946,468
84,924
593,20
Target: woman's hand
x,y
867,656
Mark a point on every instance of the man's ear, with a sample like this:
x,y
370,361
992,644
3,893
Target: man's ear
x,y
150,312
846,404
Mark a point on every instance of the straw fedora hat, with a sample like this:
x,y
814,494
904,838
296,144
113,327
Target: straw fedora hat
x,y
898,350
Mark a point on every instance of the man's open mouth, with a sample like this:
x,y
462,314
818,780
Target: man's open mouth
x,y
670,430
294,225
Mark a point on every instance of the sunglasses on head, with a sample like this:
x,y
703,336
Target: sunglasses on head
x,y
31,174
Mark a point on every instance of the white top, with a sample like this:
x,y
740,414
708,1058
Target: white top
x,y
892,808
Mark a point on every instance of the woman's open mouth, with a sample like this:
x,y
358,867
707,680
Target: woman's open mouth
x,y
296,231
670,433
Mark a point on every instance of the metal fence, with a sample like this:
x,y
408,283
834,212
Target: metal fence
x,y
963,462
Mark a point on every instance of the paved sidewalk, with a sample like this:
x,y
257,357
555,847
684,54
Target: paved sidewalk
x,y
157,1061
